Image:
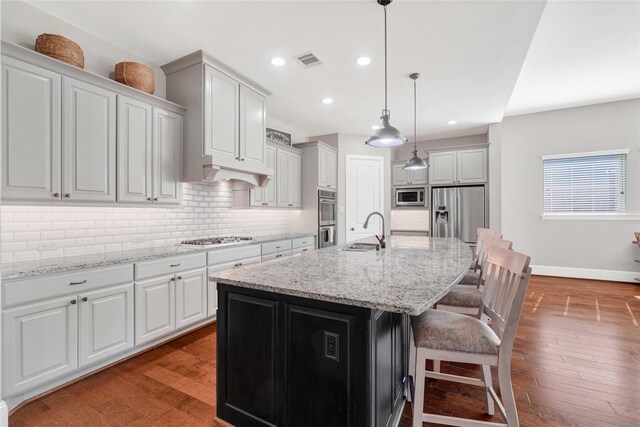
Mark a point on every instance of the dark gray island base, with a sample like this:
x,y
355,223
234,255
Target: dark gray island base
x,y
321,339
289,361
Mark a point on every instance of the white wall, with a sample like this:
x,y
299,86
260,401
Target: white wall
x,y
22,23
354,145
580,248
76,230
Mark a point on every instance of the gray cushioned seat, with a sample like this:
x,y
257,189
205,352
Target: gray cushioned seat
x,y
443,330
471,278
463,296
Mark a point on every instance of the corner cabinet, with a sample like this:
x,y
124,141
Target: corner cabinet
x,y
73,137
458,167
327,168
225,120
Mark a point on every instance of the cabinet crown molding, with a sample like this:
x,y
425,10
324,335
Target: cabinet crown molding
x,y
29,56
199,57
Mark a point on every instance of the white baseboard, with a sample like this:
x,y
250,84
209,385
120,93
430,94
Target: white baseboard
x,y
4,414
586,273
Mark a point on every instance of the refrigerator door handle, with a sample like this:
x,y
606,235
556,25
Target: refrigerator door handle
x,y
458,225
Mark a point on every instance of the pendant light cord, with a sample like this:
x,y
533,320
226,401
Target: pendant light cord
x,y
386,110
415,116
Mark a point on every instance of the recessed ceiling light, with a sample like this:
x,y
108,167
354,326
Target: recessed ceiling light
x,y
452,122
363,60
327,100
375,127
278,62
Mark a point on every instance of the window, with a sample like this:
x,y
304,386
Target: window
x,y
586,183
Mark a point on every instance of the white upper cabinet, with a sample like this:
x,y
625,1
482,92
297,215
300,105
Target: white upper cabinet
x,y
442,168
134,150
269,192
30,132
224,122
167,156
105,323
252,128
295,180
402,177
458,167
327,168
70,136
88,142
472,166
282,177
221,116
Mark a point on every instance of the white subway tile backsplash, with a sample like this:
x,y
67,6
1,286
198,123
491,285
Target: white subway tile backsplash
x,y
77,230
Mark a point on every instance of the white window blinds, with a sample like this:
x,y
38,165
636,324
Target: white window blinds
x,y
585,183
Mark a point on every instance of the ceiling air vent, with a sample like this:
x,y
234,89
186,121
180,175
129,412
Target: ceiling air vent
x,y
308,60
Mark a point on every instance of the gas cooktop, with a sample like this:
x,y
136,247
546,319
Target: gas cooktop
x,y
213,241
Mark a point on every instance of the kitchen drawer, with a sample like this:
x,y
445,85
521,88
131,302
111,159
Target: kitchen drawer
x,y
223,256
276,255
275,247
301,250
148,269
302,242
54,285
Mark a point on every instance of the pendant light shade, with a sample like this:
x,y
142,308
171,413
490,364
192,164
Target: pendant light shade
x,y
415,162
386,135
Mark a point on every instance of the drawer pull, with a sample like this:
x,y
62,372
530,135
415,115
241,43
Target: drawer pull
x,y
278,256
73,301
238,264
175,265
78,283
85,299
304,250
277,247
56,194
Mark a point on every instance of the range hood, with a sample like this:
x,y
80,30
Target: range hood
x,y
225,121
242,180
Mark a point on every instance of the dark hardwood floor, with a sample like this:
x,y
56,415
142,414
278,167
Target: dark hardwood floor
x,y
576,363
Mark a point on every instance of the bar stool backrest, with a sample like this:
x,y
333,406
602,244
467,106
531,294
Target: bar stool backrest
x,y
506,280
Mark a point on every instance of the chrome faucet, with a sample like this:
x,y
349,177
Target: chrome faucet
x,y
381,238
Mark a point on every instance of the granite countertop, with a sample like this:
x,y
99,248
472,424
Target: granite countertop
x,y
32,268
409,276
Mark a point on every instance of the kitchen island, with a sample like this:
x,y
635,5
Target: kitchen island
x,y
321,339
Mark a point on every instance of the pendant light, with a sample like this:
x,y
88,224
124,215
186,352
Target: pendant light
x,y
415,162
386,135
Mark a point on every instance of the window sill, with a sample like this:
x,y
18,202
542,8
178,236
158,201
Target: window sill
x,y
590,217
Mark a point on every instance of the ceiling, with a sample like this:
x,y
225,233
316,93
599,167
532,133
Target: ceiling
x,y
469,54
582,53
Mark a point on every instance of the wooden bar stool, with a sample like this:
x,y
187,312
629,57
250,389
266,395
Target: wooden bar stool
x,y
472,277
441,335
465,299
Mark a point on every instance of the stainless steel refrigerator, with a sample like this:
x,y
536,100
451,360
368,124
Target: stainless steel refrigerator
x,y
457,212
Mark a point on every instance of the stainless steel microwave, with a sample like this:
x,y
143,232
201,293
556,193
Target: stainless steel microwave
x,y
407,197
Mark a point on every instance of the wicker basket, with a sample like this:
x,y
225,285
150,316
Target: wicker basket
x,y
60,48
136,75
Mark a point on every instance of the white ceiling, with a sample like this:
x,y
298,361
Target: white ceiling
x,y
583,52
469,54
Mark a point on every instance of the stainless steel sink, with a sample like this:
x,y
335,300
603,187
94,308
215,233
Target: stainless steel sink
x,y
361,247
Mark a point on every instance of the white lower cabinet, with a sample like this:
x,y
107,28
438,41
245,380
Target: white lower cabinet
x,y
39,343
155,308
105,323
191,297
212,292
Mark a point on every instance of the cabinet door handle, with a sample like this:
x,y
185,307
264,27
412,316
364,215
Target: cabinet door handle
x,y
67,195
56,194
173,279
179,277
290,204
175,265
242,159
78,283
85,299
149,198
73,301
155,199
